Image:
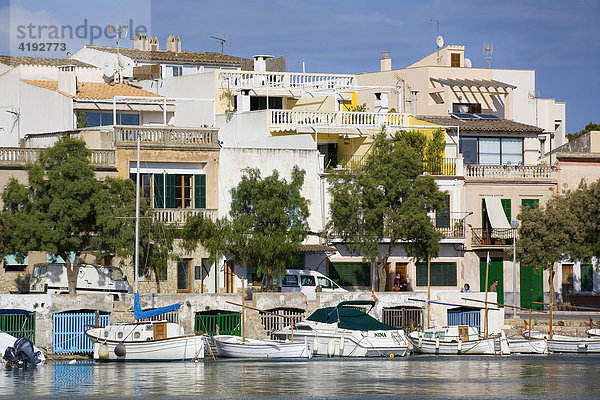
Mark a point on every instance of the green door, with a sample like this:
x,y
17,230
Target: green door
x,y
532,288
496,272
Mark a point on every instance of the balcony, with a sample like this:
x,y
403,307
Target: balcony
x,y
165,136
319,121
442,166
19,157
491,237
179,216
238,80
532,172
455,229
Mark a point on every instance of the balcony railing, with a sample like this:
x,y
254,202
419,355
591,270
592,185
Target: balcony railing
x,y
284,80
442,166
166,135
491,237
180,216
20,156
350,119
510,171
454,229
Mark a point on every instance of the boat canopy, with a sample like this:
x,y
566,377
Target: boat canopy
x,y
138,313
350,318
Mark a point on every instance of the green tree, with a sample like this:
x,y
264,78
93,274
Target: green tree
x,y
589,127
386,203
82,120
266,224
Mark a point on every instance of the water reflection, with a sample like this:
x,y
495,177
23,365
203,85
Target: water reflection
x,y
421,376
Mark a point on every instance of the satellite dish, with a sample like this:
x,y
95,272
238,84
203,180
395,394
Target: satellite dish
x,y
439,41
468,63
109,69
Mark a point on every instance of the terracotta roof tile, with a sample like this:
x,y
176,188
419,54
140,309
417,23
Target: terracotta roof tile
x,y
481,125
96,90
13,61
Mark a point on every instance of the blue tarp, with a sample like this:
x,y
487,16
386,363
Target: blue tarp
x,y
138,313
14,311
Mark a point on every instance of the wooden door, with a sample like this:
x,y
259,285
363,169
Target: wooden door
x,y
567,282
402,269
463,333
229,274
159,330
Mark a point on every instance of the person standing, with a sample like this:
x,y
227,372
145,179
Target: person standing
x,y
494,286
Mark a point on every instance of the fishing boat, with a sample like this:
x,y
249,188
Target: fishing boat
x,y
229,346
527,345
573,344
460,339
593,332
345,331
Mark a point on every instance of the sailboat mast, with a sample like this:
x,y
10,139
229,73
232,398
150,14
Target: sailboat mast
x,y
137,216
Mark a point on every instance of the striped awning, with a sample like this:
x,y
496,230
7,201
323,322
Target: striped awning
x,y
501,228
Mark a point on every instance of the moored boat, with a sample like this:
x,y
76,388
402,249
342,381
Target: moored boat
x,y
229,346
451,340
344,331
524,345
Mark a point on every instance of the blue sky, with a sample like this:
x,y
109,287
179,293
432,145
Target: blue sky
x,y
558,39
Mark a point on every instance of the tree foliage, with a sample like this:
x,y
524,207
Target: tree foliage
x,y
588,128
266,224
386,202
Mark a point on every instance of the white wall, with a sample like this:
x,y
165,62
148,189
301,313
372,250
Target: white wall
x,y
98,58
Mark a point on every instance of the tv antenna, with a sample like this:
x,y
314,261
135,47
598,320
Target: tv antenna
x,y
439,40
120,31
488,51
222,40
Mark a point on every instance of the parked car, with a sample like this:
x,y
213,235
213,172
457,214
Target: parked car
x,y
91,278
308,282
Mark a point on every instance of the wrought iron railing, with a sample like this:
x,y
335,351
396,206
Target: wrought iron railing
x,y
454,228
440,166
491,237
179,216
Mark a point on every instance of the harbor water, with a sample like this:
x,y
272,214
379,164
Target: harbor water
x,y
543,377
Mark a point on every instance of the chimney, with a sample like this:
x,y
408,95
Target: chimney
x,y
67,81
386,61
140,42
174,44
381,102
152,43
260,63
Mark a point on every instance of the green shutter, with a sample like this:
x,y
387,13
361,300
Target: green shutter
x,y
301,261
532,204
442,273
496,272
506,207
442,218
350,273
587,278
170,191
159,185
531,288
200,191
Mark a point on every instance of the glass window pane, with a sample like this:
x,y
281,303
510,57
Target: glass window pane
x,y
107,119
469,149
489,151
93,118
129,119
512,151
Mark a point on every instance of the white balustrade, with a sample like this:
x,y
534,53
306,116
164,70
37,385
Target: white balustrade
x,y
21,156
165,135
509,171
180,216
285,80
336,118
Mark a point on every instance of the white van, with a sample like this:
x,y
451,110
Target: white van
x,y
308,282
91,278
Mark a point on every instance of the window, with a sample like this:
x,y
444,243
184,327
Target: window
x,y
354,274
587,277
174,190
145,183
260,103
183,275
13,264
506,206
301,261
324,282
492,150
455,59
512,151
183,191
471,108
442,274
442,218
106,118
469,149
330,151
308,280
532,204
290,280
489,151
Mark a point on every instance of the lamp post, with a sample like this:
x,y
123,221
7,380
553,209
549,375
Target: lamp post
x,y
514,225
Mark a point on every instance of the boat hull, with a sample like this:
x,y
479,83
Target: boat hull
x,y
567,344
233,347
432,346
184,348
527,346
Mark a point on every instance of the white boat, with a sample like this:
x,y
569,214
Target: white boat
x,y
145,341
7,340
593,332
460,339
235,347
523,345
343,331
569,344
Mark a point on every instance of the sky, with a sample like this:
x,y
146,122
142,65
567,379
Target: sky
x,y
560,40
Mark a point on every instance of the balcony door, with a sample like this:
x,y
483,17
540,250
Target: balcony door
x,y
184,271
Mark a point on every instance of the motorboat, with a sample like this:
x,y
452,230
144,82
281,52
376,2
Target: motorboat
x,y
347,331
147,340
461,339
229,346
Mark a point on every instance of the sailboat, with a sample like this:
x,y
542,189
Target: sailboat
x,y
148,340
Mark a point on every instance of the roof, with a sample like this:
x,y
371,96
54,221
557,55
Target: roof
x,y
96,90
196,57
481,125
13,61
478,83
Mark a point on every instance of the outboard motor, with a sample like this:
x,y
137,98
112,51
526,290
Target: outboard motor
x,y
22,354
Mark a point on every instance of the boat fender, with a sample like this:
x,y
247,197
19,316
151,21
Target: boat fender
x,y
331,348
120,350
316,345
459,345
410,346
420,341
342,344
103,351
437,343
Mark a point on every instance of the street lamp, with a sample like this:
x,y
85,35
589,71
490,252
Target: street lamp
x,y
514,225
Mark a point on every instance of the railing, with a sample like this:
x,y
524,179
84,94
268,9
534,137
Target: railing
x,y
218,324
455,228
68,329
491,237
165,135
336,118
180,216
510,171
404,318
273,323
20,156
19,325
442,166
171,316
284,80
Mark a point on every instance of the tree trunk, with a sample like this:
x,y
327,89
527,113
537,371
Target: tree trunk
x,y
157,280
381,275
268,281
72,271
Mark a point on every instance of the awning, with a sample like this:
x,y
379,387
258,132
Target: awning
x,y
501,228
477,83
11,259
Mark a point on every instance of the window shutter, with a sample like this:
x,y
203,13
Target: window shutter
x,y
442,274
200,191
506,206
170,191
532,204
442,218
159,185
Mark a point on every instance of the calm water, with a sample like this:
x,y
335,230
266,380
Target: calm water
x,y
415,377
